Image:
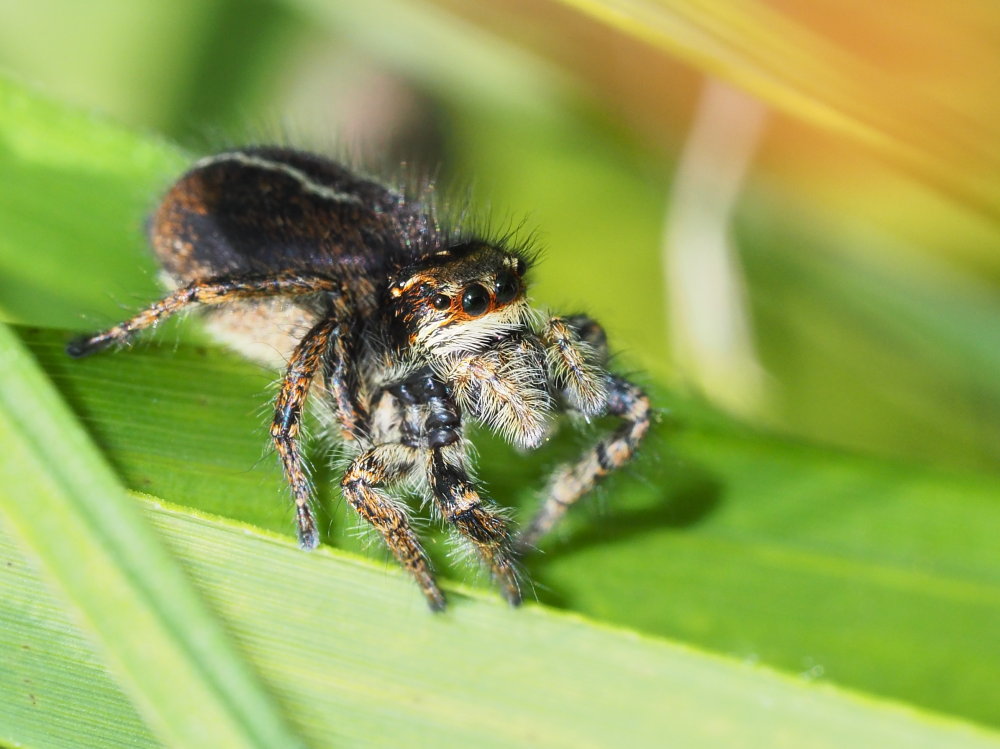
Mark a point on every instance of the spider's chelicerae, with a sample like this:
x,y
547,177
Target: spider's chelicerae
x,y
411,331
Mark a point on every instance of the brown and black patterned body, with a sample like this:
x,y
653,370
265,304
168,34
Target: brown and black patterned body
x,y
259,211
255,211
402,329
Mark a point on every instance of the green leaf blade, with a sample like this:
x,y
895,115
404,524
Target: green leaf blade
x,y
352,653
64,504
804,558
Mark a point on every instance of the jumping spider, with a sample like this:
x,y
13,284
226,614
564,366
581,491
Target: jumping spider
x,y
412,330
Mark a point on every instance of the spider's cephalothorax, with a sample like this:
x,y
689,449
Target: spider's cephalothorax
x,y
409,330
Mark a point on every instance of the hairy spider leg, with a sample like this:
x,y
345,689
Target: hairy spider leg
x,y
430,421
377,467
211,291
571,482
472,517
285,428
340,378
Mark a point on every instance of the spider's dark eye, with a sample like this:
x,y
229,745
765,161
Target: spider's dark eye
x,y
506,288
475,300
440,301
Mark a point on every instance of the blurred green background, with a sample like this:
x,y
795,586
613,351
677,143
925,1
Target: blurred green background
x,y
785,213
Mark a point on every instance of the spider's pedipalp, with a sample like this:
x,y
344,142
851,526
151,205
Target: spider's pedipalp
x,y
505,388
575,365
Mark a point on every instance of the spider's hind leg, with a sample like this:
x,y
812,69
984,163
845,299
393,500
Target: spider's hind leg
x,y
212,291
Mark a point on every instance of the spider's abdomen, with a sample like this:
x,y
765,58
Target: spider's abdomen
x,y
259,211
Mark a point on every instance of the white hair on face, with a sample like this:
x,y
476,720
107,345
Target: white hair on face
x,y
453,339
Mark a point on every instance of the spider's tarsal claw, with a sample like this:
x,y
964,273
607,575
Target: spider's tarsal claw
x,y
308,539
435,598
513,595
85,345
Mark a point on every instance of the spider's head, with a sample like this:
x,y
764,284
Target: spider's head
x,y
461,299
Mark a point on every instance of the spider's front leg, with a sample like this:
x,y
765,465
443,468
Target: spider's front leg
x,y
436,427
474,517
361,486
574,368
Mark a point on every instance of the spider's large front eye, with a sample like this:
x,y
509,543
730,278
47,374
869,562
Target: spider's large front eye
x,y
441,302
475,300
506,288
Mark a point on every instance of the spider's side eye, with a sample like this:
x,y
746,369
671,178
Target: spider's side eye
x,y
506,288
441,302
475,300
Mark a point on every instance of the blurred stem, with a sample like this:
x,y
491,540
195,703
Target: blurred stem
x,y
711,333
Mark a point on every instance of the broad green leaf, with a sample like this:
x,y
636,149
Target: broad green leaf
x,y
835,566
358,661
64,504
